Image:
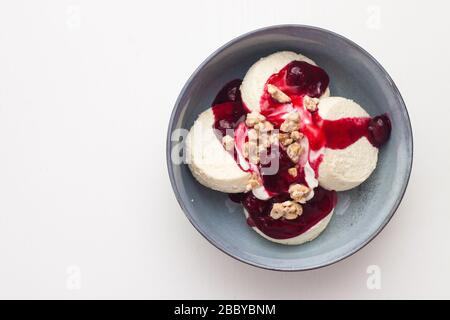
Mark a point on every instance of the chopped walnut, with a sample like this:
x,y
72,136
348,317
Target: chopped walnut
x,y
277,211
264,140
253,182
299,192
294,151
252,135
289,126
253,159
293,171
253,154
285,139
274,138
277,94
268,126
260,138
289,210
296,135
258,126
254,118
310,103
291,123
245,150
264,126
261,150
294,210
228,142
293,116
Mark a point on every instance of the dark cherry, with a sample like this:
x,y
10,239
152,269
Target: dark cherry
x,y
379,130
229,93
295,76
305,78
227,115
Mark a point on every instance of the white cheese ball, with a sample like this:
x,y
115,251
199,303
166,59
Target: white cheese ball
x,y
209,162
252,87
344,169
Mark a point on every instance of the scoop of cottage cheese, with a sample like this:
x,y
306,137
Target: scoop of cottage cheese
x,y
212,165
344,169
256,77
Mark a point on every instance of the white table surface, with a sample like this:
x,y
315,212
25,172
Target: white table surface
x,y
86,207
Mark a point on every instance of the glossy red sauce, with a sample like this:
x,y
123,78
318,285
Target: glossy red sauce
x,y
296,79
314,211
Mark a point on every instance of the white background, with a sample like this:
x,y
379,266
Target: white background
x,y
86,207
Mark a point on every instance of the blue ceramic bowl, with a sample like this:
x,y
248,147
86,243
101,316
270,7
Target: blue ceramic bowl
x,y
361,213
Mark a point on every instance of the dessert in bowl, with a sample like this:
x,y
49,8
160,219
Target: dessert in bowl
x,y
300,143
280,145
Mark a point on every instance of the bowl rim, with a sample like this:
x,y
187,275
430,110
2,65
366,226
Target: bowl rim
x,y
176,109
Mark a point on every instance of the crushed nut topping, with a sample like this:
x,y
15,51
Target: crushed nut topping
x,y
291,123
261,151
299,192
261,135
296,135
228,142
259,126
254,160
264,126
294,151
277,211
245,150
288,210
253,182
274,138
252,135
254,118
285,139
310,103
293,171
289,126
293,116
253,154
264,140
277,94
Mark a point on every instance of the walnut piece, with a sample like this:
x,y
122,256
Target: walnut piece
x,y
296,135
260,137
293,171
228,142
252,135
277,94
288,210
294,151
277,211
264,140
254,118
291,123
285,139
245,151
299,192
274,138
289,126
293,116
253,182
253,154
310,103
264,126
